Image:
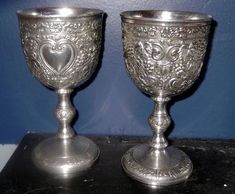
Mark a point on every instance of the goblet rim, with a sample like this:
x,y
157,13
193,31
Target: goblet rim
x,y
165,16
59,12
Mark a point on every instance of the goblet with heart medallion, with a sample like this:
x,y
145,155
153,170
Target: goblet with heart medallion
x,y
62,47
164,53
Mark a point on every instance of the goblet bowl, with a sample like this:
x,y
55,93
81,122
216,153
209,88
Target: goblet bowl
x,y
61,45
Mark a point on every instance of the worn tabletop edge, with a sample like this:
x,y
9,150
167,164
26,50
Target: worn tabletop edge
x,y
125,139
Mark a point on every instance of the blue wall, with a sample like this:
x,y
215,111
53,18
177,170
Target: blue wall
x,y
111,104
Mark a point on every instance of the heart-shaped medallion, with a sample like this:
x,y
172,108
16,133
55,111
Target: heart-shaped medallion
x,y
58,56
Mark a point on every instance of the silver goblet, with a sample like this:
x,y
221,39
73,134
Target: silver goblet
x,y
62,47
164,53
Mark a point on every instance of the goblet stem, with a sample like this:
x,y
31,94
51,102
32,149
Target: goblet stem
x,y
156,163
65,113
67,153
159,121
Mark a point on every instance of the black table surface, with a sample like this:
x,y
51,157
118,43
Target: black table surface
x,y
213,160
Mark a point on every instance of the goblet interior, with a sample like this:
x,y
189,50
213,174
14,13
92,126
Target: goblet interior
x,y
55,12
166,16
164,53
61,45
164,50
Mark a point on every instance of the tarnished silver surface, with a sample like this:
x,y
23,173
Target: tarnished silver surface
x,y
62,47
164,53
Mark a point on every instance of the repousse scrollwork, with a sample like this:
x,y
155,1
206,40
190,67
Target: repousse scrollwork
x,y
61,54
166,59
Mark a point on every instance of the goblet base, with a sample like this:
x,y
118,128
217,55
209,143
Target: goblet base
x,y
157,167
65,156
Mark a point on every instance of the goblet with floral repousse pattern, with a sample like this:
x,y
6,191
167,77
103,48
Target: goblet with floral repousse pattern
x,y
164,53
62,47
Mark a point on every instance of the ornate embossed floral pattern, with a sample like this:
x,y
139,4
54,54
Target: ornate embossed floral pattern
x,y
61,54
164,59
